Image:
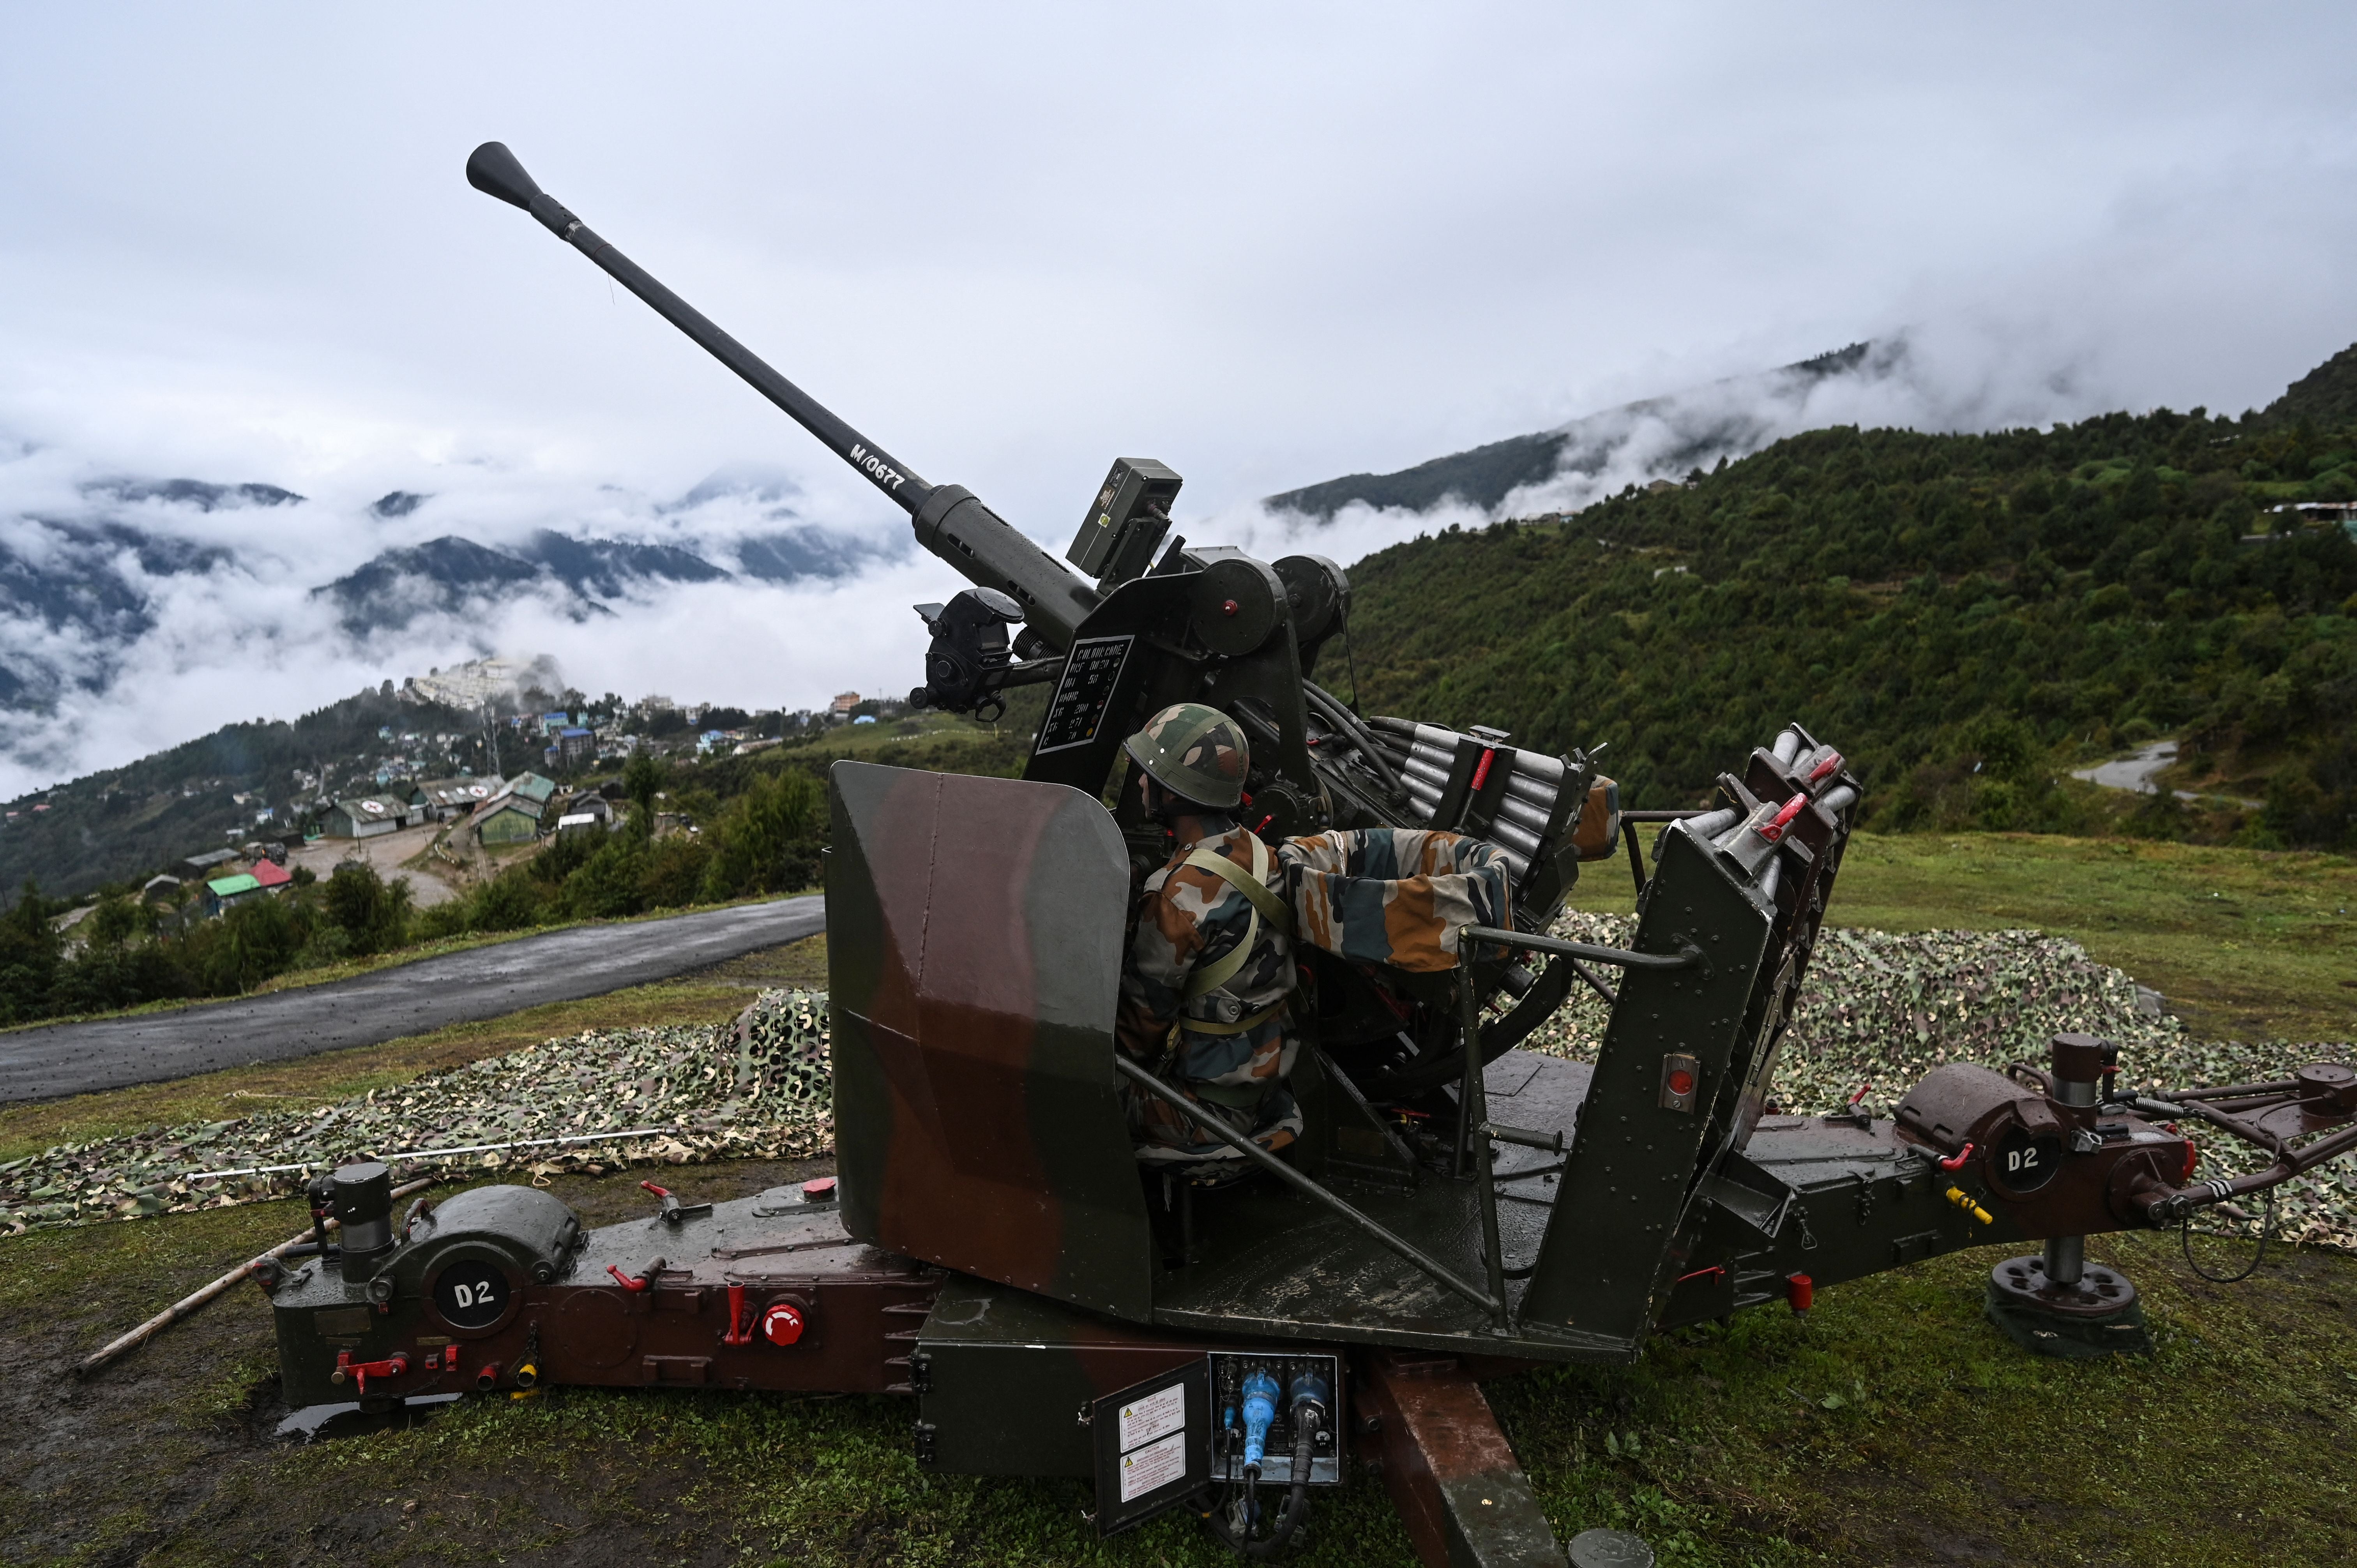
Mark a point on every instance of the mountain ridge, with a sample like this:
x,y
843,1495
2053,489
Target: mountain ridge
x,y
1704,424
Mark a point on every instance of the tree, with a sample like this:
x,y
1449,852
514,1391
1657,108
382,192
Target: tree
x,y
765,842
117,920
373,914
643,780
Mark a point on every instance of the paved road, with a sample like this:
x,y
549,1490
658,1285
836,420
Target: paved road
x,y
2136,773
2132,772
410,999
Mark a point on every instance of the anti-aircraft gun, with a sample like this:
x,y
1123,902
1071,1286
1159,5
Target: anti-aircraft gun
x,y
990,1246
1143,623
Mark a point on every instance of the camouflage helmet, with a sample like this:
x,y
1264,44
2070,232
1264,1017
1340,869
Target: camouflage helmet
x,y
1194,751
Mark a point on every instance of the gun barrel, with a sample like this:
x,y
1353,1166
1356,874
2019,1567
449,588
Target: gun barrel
x,y
495,171
949,521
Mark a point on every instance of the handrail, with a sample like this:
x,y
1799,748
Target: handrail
x,y
1687,957
1440,1272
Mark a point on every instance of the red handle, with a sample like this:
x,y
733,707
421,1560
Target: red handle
x,y
1701,1273
1773,831
362,1372
739,1331
625,1281
1955,1162
1827,769
658,1191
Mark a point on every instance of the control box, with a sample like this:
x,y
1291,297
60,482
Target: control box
x,y
1125,523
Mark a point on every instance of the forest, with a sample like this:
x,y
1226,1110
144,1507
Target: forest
x,y
1967,616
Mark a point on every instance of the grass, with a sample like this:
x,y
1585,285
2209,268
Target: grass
x,y
2245,944
1890,1425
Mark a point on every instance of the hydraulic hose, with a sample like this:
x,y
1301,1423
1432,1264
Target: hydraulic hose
x,y
1331,710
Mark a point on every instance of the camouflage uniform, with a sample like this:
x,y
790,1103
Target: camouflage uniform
x,y
1229,1049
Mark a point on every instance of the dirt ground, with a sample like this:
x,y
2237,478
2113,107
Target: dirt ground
x,y
388,853
169,1456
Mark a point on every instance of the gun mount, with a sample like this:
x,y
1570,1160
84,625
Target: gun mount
x,y
995,1251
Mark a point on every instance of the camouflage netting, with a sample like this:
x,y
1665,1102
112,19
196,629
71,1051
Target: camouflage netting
x,y
1885,1008
754,1090
1878,1008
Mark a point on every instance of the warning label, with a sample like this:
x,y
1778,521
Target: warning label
x,y
1142,1421
1152,1466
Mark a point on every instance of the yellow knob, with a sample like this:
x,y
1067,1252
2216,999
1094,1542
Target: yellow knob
x,y
1962,1200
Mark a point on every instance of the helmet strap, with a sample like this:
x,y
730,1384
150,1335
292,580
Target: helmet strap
x,y
1173,809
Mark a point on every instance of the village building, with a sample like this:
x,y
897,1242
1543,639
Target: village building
x,y
196,867
364,817
517,813
223,892
593,805
445,800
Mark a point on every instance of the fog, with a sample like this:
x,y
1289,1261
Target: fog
x,y
1266,248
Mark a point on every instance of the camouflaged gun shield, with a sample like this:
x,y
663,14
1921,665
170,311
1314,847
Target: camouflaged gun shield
x,y
975,932
1395,895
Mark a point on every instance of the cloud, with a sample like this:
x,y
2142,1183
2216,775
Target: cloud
x,y
141,612
1279,252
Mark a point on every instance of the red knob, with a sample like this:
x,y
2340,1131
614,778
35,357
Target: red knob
x,y
782,1324
1227,606
1801,1291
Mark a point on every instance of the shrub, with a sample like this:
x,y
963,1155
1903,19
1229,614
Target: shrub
x,y
671,875
606,883
511,901
373,914
765,840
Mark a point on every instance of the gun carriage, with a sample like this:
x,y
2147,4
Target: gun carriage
x,y
990,1246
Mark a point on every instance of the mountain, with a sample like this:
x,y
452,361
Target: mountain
x,y
1966,616
126,822
77,584
94,571
446,576
2326,396
1660,436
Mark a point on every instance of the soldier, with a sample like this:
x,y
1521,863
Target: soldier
x,y
1209,971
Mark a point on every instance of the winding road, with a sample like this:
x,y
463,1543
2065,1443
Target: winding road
x,y
60,1059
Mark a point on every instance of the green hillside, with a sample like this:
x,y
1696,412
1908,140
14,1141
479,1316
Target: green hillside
x,y
129,822
1968,616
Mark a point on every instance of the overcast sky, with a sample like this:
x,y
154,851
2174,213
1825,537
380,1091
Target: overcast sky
x,y
1266,245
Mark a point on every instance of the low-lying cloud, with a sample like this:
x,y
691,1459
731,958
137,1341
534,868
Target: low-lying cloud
x,y
141,612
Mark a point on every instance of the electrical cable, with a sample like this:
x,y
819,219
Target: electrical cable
x,y
1290,1516
1349,655
2266,1230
